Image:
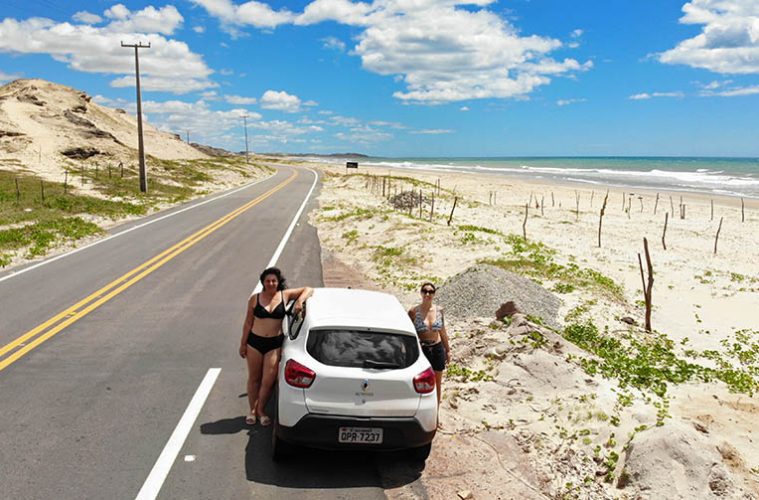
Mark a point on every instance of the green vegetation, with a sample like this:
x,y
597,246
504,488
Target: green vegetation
x,y
536,260
37,215
480,229
651,364
464,374
356,213
350,236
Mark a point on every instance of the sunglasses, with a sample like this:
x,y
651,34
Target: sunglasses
x,y
427,291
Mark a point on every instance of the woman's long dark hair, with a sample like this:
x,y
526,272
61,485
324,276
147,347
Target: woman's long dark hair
x,y
276,272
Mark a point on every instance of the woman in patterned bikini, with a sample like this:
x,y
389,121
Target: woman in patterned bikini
x,y
261,348
430,327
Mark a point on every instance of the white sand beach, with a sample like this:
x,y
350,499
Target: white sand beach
x,y
553,428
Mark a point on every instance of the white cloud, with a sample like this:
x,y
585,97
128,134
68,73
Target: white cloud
x,y
205,125
432,131
343,121
198,29
223,128
148,20
280,101
713,85
343,11
114,103
464,108
250,13
169,65
728,42
240,100
381,123
645,95
227,72
333,43
162,84
567,102
730,92
440,52
87,17
7,77
364,134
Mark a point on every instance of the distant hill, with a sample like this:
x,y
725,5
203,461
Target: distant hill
x,y
46,127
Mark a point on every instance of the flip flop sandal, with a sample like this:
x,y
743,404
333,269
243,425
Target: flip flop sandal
x,y
264,420
251,419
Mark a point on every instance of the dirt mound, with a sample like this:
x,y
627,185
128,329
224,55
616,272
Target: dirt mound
x,y
480,290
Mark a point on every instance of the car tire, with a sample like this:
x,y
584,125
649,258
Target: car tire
x,y
421,453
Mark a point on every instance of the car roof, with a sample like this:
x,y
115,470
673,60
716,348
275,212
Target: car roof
x,y
352,308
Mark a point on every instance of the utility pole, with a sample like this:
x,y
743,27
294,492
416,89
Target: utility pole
x,y
245,122
188,137
141,146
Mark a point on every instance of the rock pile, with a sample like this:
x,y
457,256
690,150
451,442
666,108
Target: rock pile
x,y
407,200
480,290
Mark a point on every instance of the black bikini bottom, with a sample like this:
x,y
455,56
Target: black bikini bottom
x,y
435,354
265,344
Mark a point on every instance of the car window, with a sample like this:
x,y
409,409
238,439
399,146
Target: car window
x,y
352,348
294,323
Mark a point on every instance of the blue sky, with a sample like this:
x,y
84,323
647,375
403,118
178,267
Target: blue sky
x,y
413,77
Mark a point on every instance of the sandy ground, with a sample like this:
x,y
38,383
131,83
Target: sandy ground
x,y
540,426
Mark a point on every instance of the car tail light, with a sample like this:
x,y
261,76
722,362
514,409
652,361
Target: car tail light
x,y
298,375
424,383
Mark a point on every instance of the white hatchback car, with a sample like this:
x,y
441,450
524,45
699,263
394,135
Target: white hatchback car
x,y
353,376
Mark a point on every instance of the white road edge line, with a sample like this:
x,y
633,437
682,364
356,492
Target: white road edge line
x,y
289,231
157,476
168,456
138,226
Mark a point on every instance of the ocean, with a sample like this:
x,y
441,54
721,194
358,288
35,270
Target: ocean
x,y
738,177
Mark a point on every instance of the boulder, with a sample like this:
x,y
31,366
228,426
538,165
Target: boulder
x,y
507,309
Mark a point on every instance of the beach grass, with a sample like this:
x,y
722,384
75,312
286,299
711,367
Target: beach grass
x,y
536,260
37,215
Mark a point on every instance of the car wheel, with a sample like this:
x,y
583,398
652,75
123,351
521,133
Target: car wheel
x,y
421,453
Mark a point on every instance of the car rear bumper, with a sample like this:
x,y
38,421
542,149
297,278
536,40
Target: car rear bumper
x,y
321,431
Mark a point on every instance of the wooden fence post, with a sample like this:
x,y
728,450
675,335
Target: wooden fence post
x,y
716,238
601,217
450,218
647,285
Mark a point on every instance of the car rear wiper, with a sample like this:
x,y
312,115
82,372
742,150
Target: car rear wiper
x,y
368,363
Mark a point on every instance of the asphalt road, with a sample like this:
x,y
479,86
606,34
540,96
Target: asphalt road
x,y
89,401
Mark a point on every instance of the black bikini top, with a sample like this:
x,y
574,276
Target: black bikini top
x,y
278,313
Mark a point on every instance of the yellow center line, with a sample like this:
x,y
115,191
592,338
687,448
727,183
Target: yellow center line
x,y
115,287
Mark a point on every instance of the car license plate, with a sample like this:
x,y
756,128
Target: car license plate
x,y
364,435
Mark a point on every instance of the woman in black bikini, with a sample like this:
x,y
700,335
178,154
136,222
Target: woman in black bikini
x,y
430,327
261,348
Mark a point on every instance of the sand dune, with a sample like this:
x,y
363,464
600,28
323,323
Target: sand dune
x,y
46,127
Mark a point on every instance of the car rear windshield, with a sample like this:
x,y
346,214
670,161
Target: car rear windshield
x,y
362,349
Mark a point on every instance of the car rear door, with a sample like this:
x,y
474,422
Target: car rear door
x,y
363,373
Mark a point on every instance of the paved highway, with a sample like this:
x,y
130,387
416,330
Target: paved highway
x,y
119,371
